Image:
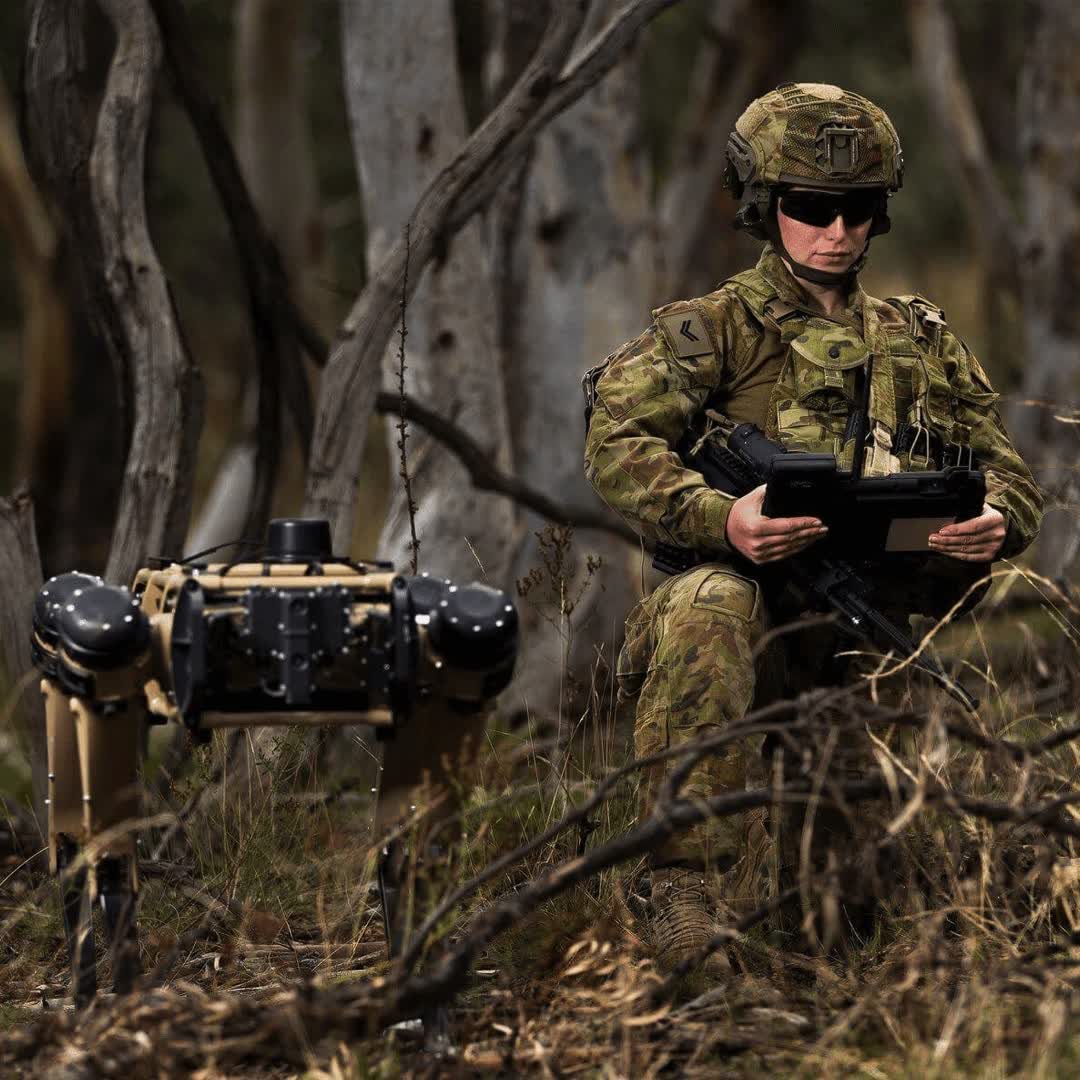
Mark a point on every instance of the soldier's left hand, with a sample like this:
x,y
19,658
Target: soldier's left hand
x,y
976,540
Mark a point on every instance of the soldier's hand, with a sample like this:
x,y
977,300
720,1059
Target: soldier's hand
x,y
976,540
762,539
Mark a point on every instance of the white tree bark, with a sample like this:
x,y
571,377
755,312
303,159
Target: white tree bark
x,y
583,279
1049,108
407,120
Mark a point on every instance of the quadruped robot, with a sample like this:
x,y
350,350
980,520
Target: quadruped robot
x,y
295,636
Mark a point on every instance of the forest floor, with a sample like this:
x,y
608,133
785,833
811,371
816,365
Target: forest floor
x,y
262,939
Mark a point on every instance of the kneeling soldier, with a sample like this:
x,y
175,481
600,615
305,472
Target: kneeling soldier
x,y
796,347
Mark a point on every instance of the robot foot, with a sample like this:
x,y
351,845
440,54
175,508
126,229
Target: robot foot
x,y
118,901
398,884
78,926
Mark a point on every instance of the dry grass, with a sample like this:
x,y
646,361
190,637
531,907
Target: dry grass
x,y
260,925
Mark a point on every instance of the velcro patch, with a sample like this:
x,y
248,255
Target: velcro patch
x,y
685,333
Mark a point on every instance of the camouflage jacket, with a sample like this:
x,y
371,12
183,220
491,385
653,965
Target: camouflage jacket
x,y
757,350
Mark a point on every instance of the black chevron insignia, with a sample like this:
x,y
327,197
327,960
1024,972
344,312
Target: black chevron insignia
x,y
687,332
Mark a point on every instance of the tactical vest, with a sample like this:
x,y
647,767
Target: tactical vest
x,y
822,383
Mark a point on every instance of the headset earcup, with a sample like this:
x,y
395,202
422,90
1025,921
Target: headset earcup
x,y
748,219
881,225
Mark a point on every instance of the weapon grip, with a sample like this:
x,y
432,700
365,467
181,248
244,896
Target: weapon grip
x,y
755,448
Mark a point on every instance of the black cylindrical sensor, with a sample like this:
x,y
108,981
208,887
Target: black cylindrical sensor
x,y
292,540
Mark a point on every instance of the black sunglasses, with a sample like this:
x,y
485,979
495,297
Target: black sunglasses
x,y
822,208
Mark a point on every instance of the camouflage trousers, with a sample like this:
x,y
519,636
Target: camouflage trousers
x,y
692,663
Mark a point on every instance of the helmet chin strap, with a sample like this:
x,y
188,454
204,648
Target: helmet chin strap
x,y
829,278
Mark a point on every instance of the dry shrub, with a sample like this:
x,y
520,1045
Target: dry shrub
x,y
933,931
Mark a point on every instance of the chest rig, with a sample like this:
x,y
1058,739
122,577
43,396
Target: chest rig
x,y
886,386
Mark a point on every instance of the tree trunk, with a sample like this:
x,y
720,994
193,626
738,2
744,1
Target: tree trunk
x,y
1050,267
746,51
46,338
67,54
582,283
464,187
407,118
273,136
992,219
155,501
20,580
276,157
128,297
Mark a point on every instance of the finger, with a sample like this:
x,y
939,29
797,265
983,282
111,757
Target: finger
x,y
965,543
973,525
986,526
960,542
787,526
990,543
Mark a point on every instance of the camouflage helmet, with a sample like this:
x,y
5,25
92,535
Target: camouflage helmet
x,y
810,135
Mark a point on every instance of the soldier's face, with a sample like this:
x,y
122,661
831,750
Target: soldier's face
x,y
833,247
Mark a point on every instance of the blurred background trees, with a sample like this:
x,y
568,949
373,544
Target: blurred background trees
x,y
340,114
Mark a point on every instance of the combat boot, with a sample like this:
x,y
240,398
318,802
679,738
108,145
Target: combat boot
x,y
684,917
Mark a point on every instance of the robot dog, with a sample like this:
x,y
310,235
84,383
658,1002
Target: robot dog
x,y
295,636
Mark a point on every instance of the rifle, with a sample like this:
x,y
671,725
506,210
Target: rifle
x,y
831,583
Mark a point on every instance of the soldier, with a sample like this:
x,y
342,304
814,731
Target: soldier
x,y
793,345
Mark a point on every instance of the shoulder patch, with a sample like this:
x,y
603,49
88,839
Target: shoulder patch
x,y
684,330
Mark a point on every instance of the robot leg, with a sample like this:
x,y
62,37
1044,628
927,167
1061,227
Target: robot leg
x,y
421,765
65,832
109,739
405,894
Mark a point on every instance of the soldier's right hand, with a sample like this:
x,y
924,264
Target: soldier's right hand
x,y
763,539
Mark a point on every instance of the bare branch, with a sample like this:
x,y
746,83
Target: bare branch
x,y
283,1023
487,477
46,331
403,433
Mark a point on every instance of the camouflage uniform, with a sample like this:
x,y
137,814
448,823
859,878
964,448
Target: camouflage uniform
x,y
758,349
